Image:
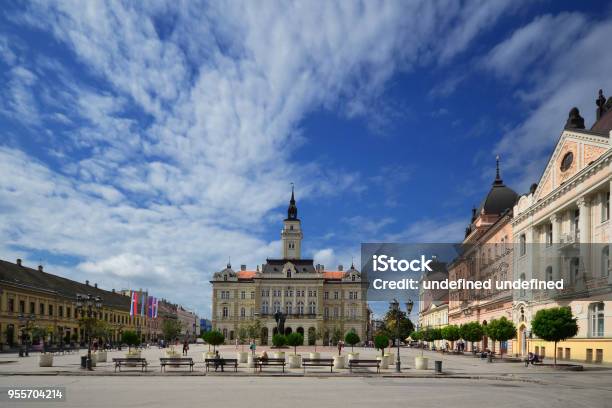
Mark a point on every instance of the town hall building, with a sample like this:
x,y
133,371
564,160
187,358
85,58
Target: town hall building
x,y
318,303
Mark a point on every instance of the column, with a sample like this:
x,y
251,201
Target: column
x,y
584,226
555,220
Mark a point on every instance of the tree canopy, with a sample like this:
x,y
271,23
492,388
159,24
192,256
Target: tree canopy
x,y
471,331
389,327
279,340
501,330
555,324
214,337
451,333
171,329
294,340
352,338
381,342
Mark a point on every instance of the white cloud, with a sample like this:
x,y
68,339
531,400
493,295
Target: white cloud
x,y
177,141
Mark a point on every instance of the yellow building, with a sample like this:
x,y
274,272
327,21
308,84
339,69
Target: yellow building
x,y
562,231
35,298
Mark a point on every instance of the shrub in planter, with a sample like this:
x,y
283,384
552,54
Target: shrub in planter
x,y
278,340
294,340
351,339
215,338
555,324
381,342
130,338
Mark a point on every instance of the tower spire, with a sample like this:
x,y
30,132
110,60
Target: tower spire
x,y
292,209
498,179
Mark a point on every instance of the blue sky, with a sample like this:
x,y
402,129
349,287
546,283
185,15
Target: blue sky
x,y
141,145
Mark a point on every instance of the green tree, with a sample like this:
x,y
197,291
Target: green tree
x,y
451,333
418,336
215,338
381,342
555,324
471,332
352,338
279,340
294,340
313,336
171,329
431,334
130,338
242,336
336,335
500,330
254,329
390,325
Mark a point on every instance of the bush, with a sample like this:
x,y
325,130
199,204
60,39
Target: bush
x,y
295,339
555,324
215,337
352,338
471,332
451,333
381,342
130,338
278,340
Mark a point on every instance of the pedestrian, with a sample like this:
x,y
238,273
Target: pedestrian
x,y
252,347
340,347
185,347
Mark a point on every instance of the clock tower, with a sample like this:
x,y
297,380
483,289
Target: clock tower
x,y
291,235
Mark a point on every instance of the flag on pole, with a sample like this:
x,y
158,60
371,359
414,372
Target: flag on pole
x,y
134,303
156,308
143,303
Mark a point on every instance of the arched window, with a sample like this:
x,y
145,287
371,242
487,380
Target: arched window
x,y
288,308
225,312
549,274
605,261
288,273
596,319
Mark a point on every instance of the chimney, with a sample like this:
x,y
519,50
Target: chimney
x,y
96,285
40,268
243,267
18,261
87,282
340,268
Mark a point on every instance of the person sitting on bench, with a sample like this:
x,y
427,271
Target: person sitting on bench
x,y
218,361
532,358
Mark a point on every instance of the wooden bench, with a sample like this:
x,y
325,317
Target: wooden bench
x,y
130,362
259,362
221,362
318,362
176,361
364,363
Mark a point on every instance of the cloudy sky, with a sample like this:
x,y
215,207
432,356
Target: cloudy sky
x,y
142,144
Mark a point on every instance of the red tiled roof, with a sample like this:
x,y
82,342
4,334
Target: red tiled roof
x,y
333,274
246,274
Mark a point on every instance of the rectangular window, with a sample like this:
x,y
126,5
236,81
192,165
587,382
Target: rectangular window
x,y
41,308
60,311
22,306
252,295
50,310
326,295
336,295
549,234
243,295
68,312
605,213
522,245
11,305
32,307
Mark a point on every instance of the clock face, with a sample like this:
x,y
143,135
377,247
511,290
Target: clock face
x,y
566,163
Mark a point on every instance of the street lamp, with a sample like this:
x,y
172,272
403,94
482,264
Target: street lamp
x,y
395,307
25,321
86,304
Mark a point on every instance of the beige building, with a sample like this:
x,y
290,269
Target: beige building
x,y
562,230
314,300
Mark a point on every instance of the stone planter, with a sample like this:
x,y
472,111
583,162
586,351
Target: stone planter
x,y
339,361
295,361
173,354
242,356
384,362
391,357
421,363
208,354
251,361
45,360
352,356
101,356
314,355
279,354
133,354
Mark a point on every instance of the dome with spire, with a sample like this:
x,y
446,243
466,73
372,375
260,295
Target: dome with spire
x,y
500,198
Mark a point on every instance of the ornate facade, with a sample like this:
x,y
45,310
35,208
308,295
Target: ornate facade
x,y
313,299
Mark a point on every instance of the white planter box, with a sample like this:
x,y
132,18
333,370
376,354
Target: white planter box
x,y
242,356
353,356
101,356
295,361
384,361
391,357
251,361
314,355
421,363
46,360
279,354
339,361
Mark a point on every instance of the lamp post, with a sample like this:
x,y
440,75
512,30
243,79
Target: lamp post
x,y
395,307
86,304
25,321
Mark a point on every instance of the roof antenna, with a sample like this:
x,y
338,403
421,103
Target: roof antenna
x,y
229,262
497,167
